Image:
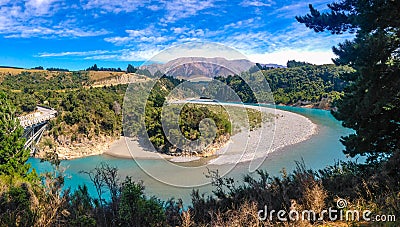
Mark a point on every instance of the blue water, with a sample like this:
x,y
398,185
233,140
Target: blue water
x,y
321,150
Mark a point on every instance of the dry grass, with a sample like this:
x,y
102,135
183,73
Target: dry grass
x,y
246,215
13,71
186,219
101,75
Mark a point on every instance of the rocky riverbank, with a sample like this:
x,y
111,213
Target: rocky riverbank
x,y
286,129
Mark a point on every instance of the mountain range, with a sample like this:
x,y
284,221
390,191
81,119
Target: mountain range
x,y
191,68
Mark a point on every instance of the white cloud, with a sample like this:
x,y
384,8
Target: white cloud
x,y
197,49
41,7
22,31
142,43
179,30
242,23
127,54
74,53
139,55
283,56
178,9
295,36
299,8
103,57
114,6
146,35
34,18
248,34
257,3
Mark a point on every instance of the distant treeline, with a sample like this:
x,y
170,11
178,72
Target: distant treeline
x,y
49,69
57,69
129,69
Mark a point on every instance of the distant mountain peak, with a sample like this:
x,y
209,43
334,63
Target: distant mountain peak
x,y
194,67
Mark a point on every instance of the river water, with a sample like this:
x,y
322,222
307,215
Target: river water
x,y
321,150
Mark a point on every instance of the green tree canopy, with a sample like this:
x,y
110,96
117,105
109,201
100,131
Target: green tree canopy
x,y
371,105
13,156
294,63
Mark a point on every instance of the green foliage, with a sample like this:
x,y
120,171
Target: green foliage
x,y
128,206
371,104
301,82
57,69
32,82
95,68
241,88
83,113
190,117
135,209
85,110
81,207
13,156
15,206
305,83
293,63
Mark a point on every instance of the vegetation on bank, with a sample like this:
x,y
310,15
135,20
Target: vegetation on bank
x,y
298,84
307,84
87,115
84,113
190,116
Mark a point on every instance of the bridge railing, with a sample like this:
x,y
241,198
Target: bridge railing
x,y
42,115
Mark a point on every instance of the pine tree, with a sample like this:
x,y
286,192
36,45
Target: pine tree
x,y
371,105
13,156
130,69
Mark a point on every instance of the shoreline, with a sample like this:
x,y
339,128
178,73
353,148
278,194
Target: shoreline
x,y
288,129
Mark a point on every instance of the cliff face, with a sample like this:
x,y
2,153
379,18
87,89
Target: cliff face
x,y
126,78
192,67
67,149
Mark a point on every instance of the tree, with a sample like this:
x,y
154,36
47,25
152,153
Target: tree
x,y
13,156
95,68
371,104
38,67
294,63
137,210
130,69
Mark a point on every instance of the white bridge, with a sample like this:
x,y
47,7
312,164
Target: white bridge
x,y
34,125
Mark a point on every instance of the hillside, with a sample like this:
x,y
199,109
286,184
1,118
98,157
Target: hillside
x,y
115,79
93,75
316,86
102,75
14,71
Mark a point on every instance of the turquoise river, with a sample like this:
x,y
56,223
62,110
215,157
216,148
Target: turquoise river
x,y
321,150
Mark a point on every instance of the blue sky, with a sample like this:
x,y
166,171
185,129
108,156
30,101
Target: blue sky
x,y
112,33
